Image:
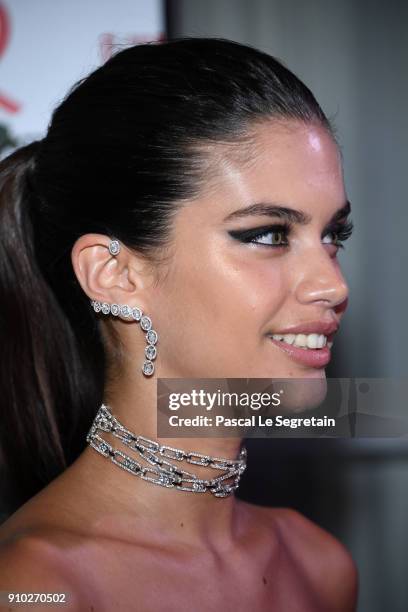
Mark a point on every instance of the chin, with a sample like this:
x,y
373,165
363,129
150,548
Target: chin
x,y
302,391
315,373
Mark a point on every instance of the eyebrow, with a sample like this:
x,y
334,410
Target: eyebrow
x,y
290,215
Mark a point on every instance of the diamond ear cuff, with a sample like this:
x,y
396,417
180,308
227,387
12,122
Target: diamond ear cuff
x,y
135,314
114,247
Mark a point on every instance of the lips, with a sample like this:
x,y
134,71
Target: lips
x,y
326,328
314,358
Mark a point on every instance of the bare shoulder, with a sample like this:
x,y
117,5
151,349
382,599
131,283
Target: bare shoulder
x,y
30,563
318,541
326,561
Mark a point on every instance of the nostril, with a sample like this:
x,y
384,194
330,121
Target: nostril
x,y
342,307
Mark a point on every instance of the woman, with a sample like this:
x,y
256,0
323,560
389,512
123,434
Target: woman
x,y
193,188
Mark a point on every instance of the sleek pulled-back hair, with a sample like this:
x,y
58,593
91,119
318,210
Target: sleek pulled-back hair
x,y
129,145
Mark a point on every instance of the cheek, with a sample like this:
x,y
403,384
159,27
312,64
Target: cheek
x,y
220,310
239,295
253,297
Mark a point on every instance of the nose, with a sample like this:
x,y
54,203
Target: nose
x,y
321,280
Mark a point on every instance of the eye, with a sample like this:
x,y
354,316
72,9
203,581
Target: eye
x,y
270,236
338,233
330,238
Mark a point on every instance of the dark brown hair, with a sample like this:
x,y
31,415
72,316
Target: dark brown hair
x,y
121,153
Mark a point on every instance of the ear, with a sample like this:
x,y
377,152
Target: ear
x,y
109,278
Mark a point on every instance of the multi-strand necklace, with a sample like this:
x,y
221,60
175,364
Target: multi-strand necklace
x,y
158,465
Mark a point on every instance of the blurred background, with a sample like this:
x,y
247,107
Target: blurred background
x,y
353,55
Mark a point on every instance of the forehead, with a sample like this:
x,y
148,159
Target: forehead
x,y
289,162
290,158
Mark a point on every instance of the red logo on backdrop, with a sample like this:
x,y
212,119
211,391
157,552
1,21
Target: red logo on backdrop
x,y
109,43
5,102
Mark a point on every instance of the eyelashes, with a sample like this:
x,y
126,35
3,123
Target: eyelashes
x,y
340,232
250,235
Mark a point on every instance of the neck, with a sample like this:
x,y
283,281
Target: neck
x,y
200,519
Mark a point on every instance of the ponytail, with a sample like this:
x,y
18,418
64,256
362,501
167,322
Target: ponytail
x,y
47,398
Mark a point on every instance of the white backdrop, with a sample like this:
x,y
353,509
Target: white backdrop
x,y
47,45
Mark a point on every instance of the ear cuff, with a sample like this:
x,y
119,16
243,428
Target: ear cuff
x,y
135,314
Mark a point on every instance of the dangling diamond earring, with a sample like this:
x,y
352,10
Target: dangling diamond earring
x,y
132,313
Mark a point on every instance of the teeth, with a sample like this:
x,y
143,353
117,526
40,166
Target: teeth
x,y
300,340
288,338
306,341
319,340
312,341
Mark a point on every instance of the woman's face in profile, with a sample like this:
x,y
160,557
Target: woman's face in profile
x,y
237,279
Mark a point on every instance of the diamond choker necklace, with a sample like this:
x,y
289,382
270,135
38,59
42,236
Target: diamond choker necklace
x,y
158,468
